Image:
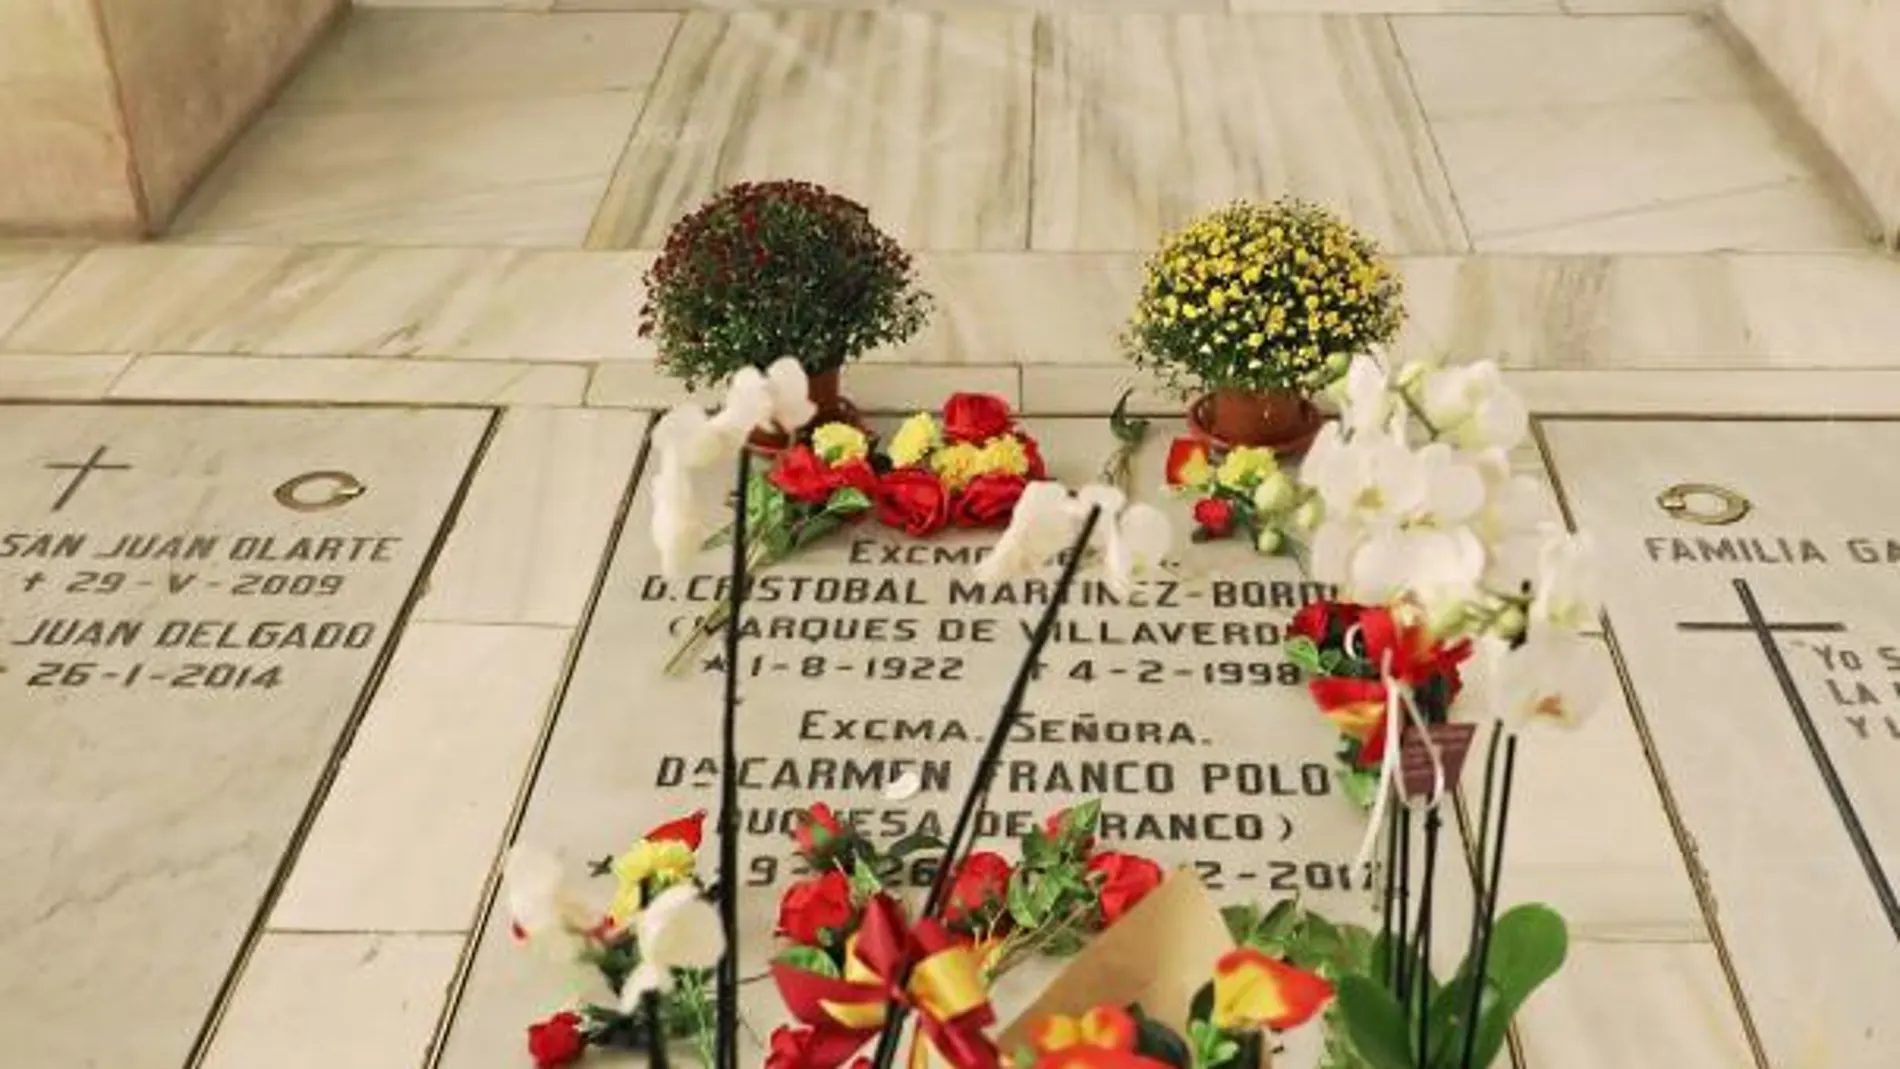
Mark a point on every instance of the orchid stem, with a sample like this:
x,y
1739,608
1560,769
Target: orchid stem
x,y
1490,898
656,1030
980,782
728,973
1425,939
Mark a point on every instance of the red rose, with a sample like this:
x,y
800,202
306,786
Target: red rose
x,y
556,1041
1215,515
913,501
1037,469
688,829
988,500
806,1048
812,907
857,475
803,476
975,417
1325,622
982,879
817,827
1126,880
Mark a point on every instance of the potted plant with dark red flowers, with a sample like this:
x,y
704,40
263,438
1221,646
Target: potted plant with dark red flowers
x,y
1253,309
774,269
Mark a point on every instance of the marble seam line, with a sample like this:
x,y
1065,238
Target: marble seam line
x,y
253,935
485,901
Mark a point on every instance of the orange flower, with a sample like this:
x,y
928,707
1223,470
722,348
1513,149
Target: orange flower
x,y
1104,1028
1357,707
1097,1058
1252,990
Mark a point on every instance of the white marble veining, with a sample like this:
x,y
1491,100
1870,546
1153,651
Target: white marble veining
x,y
500,304
24,277
522,116
1636,134
536,523
1650,1004
414,823
873,387
923,117
156,767
1143,121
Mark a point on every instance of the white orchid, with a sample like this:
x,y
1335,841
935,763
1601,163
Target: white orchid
x,y
1469,406
1442,570
543,908
1566,584
777,399
1367,404
1553,678
1041,526
677,930
691,451
1134,538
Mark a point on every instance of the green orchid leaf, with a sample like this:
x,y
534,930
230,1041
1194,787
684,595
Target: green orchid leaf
x,y
1375,1023
1528,947
811,960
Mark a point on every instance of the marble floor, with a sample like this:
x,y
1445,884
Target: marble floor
x,y
443,219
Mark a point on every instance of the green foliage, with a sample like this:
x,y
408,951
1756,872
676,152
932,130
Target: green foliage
x,y
774,269
809,959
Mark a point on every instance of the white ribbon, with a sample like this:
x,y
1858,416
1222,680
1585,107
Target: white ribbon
x,y
1398,706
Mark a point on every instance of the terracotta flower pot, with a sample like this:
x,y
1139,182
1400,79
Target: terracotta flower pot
x,y
832,407
1281,421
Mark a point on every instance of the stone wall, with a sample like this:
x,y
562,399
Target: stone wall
x,y
1840,62
110,110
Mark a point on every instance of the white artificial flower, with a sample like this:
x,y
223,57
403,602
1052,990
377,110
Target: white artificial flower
x,y
1367,405
681,517
677,930
748,407
1553,678
1441,569
1566,584
1042,525
790,390
1470,406
1140,539
543,909
1109,498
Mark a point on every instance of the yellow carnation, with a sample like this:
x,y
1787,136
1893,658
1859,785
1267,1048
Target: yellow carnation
x,y
836,443
1245,467
650,866
914,440
957,464
1004,455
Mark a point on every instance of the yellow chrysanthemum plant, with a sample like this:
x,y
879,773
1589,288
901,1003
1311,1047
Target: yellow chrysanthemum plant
x,y
1253,309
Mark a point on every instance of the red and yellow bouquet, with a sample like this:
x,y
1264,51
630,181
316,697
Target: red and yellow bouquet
x,y
964,467
846,932
650,951
1355,655
1239,492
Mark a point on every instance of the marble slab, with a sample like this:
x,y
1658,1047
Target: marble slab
x,y
184,657
1145,120
521,117
922,116
1778,746
1534,115
887,659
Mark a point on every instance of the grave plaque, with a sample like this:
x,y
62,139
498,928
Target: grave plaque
x,y
1765,655
180,655
875,656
